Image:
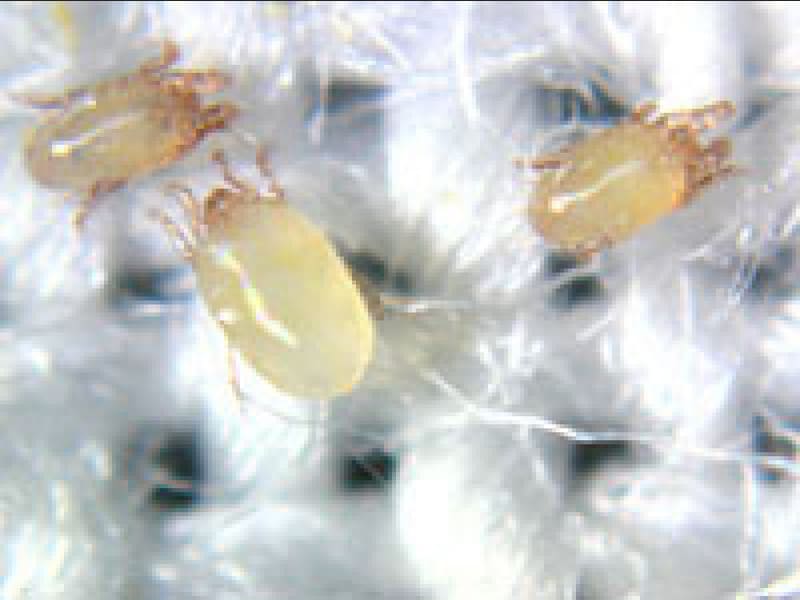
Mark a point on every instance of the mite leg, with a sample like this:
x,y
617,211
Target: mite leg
x,y
99,188
265,167
682,134
700,119
218,156
170,53
175,232
201,82
705,180
214,117
194,128
707,117
190,204
710,165
716,153
543,163
185,196
644,111
585,251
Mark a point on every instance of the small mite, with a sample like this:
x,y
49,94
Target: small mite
x,y
604,189
272,280
109,132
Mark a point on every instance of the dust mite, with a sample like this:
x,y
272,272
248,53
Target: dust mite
x,y
106,133
272,280
603,189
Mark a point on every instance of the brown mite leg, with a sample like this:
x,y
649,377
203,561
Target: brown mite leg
x,y
711,158
644,111
584,252
218,156
542,163
699,119
707,117
201,82
190,205
265,166
212,118
708,178
715,154
711,166
99,188
719,149
170,53
681,134
174,231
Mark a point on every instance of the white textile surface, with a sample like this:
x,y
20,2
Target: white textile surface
x,y
529,428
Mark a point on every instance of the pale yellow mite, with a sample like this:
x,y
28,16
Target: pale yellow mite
x,y
104,134
603,189
284,298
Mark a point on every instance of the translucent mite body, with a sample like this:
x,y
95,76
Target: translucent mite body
x,y
273,281
603,189
109,132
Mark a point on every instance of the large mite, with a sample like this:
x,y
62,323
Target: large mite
x,y
107,133
603,189
272,280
